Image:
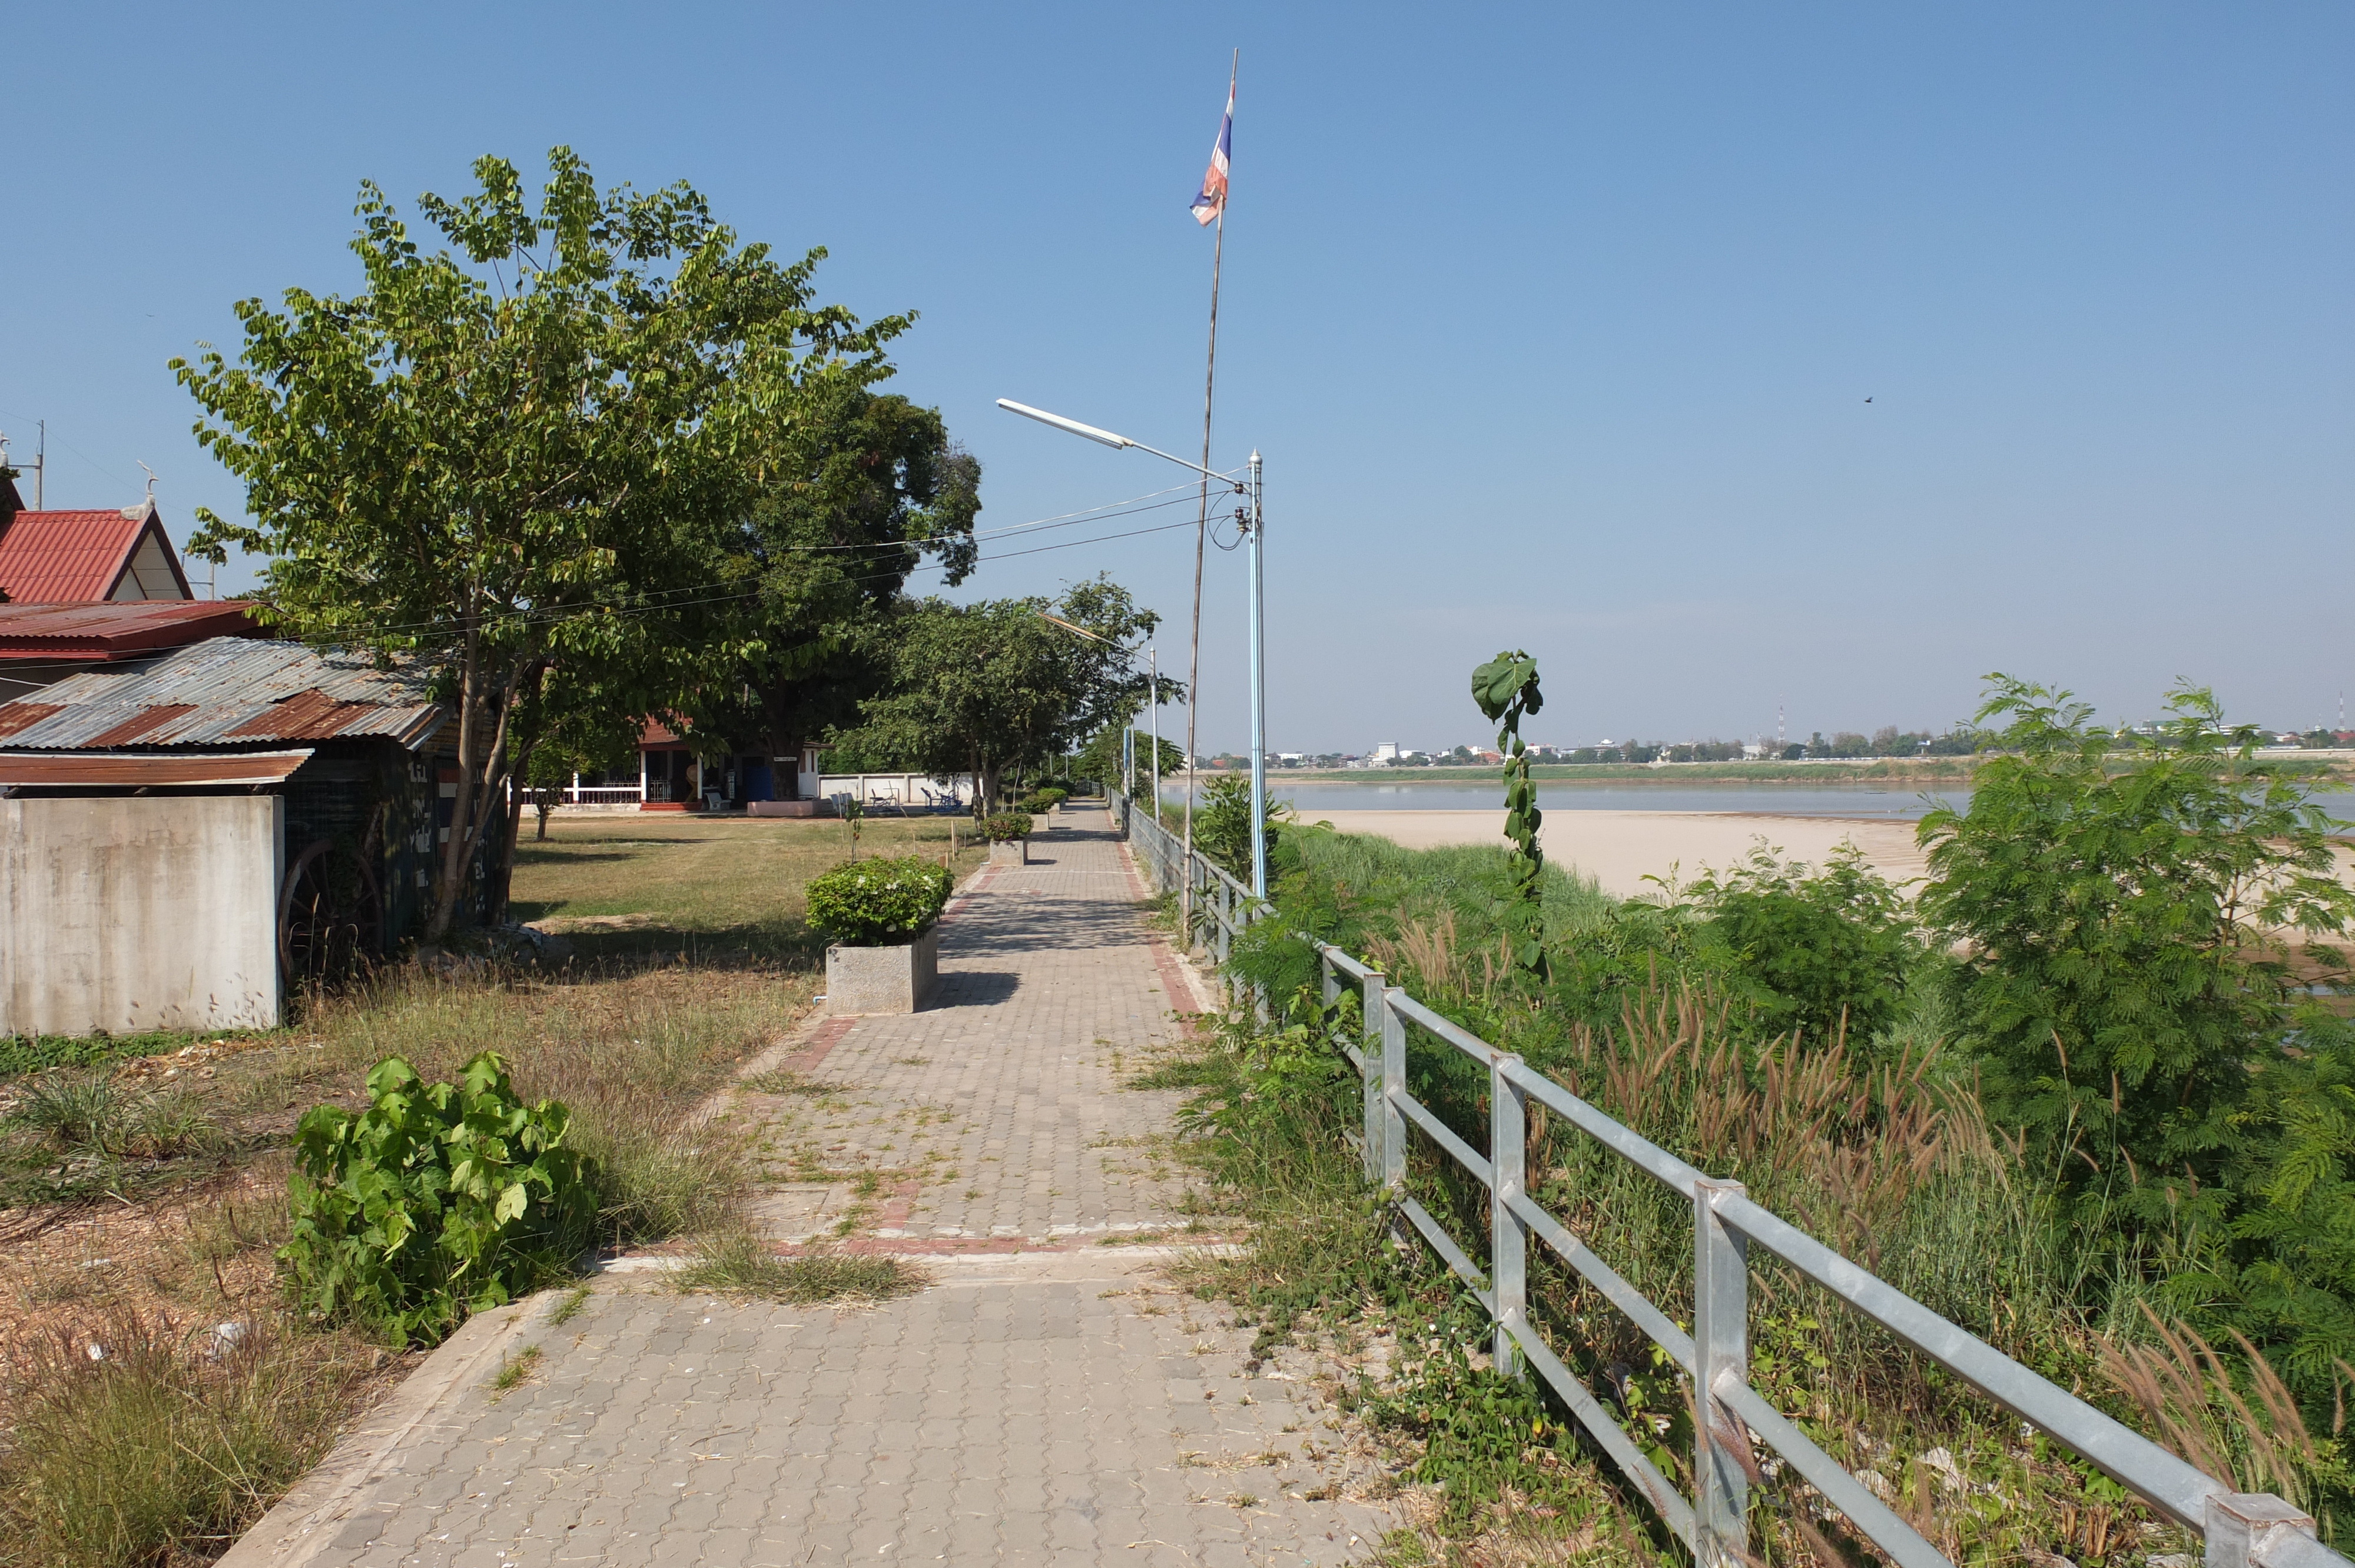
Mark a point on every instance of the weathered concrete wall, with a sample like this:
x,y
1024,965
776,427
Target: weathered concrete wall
x,y
128,914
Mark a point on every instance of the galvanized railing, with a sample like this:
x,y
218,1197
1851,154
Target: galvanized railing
x,y
2240,1529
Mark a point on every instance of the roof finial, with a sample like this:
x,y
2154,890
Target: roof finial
x,y
151,485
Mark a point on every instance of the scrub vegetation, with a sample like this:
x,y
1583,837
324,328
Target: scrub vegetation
x,y
2088,1095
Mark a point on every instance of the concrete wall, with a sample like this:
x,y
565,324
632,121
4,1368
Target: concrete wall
x,y
130,915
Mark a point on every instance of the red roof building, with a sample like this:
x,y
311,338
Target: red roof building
x,y
62,558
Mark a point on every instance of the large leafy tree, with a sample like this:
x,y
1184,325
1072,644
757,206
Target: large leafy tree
x,y
995,688
853,492
518,458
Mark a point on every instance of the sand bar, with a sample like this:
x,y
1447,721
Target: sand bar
x,y
1619,848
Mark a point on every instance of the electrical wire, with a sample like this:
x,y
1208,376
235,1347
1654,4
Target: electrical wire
x,y
429,634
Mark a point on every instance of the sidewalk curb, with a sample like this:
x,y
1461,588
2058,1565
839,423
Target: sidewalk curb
x,y
304,1521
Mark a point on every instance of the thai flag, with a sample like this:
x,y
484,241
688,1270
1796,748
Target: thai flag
x,y
1212,202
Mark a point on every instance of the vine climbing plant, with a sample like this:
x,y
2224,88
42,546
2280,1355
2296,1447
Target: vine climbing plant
x,y
1506,687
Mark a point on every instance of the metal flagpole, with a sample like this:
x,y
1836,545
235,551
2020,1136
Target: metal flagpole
x,y
1202,537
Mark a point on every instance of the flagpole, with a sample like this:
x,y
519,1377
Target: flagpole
x,y
1201,536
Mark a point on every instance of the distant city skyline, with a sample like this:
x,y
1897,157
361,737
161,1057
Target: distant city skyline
x,y
1556,326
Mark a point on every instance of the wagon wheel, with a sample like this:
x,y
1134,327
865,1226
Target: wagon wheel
x,y
330,916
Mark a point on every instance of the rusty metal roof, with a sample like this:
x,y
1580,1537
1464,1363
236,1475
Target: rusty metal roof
x,y
114,632
225,690
117,770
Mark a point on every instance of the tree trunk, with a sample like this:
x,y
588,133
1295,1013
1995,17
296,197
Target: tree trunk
x,y
449,879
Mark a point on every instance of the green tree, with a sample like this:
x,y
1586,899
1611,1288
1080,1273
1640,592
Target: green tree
x,y
508,457
995,688
2123,923
854,490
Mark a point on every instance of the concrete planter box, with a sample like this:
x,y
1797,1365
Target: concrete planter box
x,y
1014,851
897,979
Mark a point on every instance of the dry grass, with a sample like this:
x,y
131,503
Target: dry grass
x,y
172,1439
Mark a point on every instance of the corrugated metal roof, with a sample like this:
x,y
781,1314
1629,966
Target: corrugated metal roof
x,y
226,688
119,630
48,557
54,769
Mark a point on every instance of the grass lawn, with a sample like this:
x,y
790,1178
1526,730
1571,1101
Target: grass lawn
x,y
664,882
143,1182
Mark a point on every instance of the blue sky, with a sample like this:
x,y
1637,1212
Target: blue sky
x,y
1556,324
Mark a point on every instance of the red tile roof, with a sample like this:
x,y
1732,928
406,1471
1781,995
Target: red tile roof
x,y
106,633
57,557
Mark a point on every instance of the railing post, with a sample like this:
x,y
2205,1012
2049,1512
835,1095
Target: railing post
x,y
1508,1252
2241,1526
1370,994
1329,976
1721,1348
1393,1085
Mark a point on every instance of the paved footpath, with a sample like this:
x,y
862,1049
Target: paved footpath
x,y
1049,1399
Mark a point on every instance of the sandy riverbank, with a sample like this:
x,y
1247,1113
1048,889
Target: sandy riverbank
x,y
1619,848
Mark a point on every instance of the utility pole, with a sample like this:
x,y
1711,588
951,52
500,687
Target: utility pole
x,y
40,461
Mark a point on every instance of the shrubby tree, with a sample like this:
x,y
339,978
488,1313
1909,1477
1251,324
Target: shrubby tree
x,y
2124,928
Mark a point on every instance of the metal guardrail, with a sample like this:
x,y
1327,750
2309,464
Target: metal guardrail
x,y
2241,1530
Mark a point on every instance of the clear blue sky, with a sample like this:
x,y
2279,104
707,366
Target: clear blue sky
x,y
1556,324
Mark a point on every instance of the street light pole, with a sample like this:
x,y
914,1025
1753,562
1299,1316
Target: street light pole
x,y
1154,652
1258,658
1259,692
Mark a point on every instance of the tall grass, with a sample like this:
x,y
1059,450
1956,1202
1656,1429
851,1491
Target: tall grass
x,y
631,1051
170,1445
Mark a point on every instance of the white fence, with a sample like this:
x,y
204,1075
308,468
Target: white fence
x,y
899,791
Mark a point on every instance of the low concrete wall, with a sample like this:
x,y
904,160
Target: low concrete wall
x,y
128,914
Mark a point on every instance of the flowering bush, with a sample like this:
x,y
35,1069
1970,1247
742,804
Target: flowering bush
x,y
867,903
1005,827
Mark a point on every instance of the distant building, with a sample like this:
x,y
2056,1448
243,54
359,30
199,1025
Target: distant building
x,y
80,557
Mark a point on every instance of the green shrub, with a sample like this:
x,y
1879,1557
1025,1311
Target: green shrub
x,y
437,1201
1816,951
867,903
1044,798
1005,827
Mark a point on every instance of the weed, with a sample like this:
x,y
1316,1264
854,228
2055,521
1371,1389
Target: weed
x,y
516,1369
739,1263
569,1308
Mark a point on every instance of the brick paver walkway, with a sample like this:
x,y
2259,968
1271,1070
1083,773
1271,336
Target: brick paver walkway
x,y
1048,1399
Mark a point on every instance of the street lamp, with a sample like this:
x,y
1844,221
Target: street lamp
x,y
1253,530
